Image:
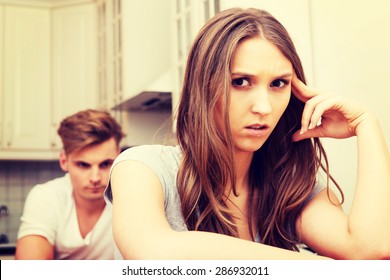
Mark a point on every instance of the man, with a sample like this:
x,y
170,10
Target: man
x,y
67,218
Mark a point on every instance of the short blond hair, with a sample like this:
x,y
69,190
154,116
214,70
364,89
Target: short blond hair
x,y
88,127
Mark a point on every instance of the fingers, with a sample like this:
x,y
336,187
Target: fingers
x,y
314,109
317,112
312,133
325,115
297,88
302,91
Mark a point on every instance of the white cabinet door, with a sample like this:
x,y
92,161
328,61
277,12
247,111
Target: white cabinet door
x,y
134,47
26,83
135,56
109,52
189,17
49,72
74,56
1,77
145,44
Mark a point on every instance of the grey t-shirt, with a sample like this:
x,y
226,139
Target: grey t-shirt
x,y
165,161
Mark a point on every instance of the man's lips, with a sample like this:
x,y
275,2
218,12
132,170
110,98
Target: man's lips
x,y
95,188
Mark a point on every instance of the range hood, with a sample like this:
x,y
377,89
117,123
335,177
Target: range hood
x,y
147,101
157,96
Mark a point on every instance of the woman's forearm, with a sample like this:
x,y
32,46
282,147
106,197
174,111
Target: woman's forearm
x,y
369,218
205,245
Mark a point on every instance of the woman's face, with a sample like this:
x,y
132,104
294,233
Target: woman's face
x,y
260,91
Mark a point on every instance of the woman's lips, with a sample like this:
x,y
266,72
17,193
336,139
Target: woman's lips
x,y
257,130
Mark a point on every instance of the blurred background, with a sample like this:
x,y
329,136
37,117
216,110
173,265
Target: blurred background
x,y
61,56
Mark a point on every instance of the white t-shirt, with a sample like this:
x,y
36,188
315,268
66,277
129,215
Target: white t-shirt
x,y
50,211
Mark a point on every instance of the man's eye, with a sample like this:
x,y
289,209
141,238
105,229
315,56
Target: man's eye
x,y
240,82
106,164
279,83
82,165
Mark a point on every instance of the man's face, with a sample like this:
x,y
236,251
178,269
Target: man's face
x,y
89,169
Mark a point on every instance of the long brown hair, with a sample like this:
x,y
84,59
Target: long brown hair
x,y
282,173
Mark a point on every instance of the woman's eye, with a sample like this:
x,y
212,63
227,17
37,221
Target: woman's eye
x,y
240,82
279,83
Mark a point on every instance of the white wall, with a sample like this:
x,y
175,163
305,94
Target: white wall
x,y
351,56
345,49
159,128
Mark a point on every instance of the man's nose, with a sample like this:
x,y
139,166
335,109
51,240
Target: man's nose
x,y
95,175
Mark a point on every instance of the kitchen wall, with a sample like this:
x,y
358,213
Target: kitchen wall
x,y
16,180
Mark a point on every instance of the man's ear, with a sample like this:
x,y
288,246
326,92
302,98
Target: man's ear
x,y
63,161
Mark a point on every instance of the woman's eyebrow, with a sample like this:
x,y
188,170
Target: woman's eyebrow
x,y
284,76
239,73
277,76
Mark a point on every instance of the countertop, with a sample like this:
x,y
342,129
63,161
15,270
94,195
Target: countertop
x,y
7,251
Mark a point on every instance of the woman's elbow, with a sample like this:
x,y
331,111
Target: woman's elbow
x,y
149,248
370,251
379,252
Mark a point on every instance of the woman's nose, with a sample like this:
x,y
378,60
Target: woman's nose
x,y
261,102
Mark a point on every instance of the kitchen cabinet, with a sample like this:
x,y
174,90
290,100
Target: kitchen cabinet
x,y
109,53
26,80
49,72
189,17
147,56
134,63
134,48
74,63
143,49
1,73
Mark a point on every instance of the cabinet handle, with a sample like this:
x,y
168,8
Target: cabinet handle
x,y
8,134
53,134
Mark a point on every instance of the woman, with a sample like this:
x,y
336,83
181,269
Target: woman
x,y
246,167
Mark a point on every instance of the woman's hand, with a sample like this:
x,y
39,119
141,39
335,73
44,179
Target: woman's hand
x,y
326,115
